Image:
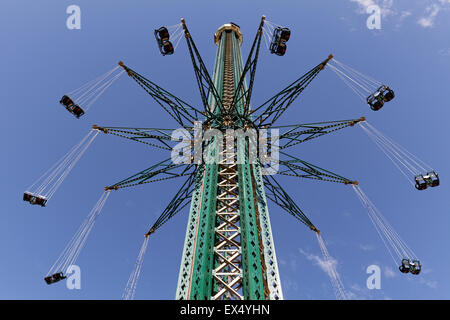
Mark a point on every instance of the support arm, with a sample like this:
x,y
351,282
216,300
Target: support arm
x,y
299,168
205,84
164,170
250,66
183,113
181,199
273,108
276,193
299,133
159,138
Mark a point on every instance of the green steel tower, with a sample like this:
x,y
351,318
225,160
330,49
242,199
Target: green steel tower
x,y
229,251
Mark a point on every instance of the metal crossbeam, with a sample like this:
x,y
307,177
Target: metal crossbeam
x,y
155,137
206,86
296,167
182,112
164,170
299,133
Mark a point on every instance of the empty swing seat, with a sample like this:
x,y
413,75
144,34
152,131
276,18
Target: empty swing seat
x,y
66,101
49,279
70,105
431,179
55,278
386,92
375,101
34,199
405,266
162,33
415,267
162,39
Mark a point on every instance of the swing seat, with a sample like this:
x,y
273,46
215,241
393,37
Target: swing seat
x,y
55,278
386,92
162,34
66,101
284,34
27,196
403,269
432,179
76,110
375,101
49,280
162,39
59,276
234,24
34,199
278,49
167,47
421,183
279,39
281,35
405,266
415,267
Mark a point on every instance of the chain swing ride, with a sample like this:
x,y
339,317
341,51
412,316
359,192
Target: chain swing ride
x,y
229,251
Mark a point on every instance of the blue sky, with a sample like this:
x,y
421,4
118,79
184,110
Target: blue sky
x,y
42,60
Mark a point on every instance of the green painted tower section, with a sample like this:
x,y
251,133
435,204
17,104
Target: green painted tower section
x,y
229,251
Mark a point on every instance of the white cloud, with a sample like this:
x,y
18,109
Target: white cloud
x,y
428,20
385,6
289,285
404,15
429,283
431,12
366,247
319,261
445,52
364,3
427,271
389,272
